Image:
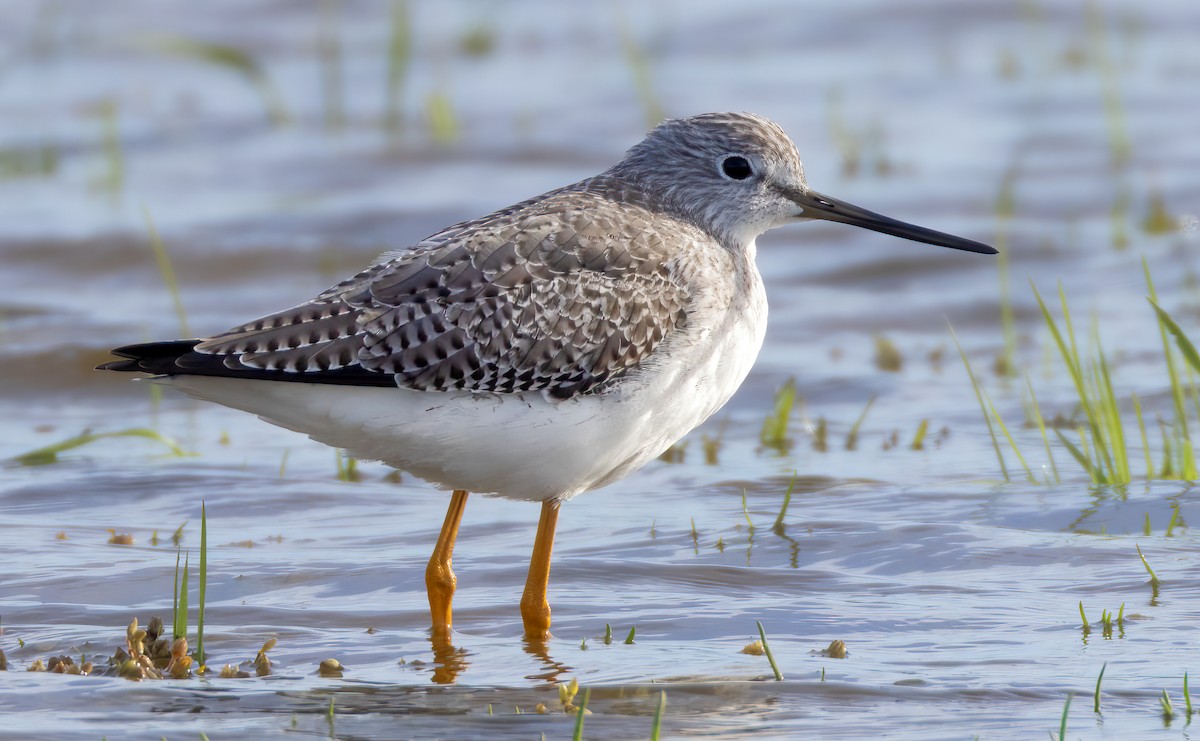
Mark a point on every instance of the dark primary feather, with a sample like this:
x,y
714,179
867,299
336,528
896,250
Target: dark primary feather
x,y
558,294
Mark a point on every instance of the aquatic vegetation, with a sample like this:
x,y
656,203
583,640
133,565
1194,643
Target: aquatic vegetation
x,y
852,435
835,650
1104,432
399,58
1158,219
329,52
1099,443
167,271
1106,621
179,609
1096,696
49,453
347,466
478,41
1153,577
440,117
1119,143
577,735
918,441
566,696
330,669
774,433
24,162
887,356
762,635
203,583
112,180
639,66
1005,208
712,445
230,58
1062,723
629,638
778,527
1168,711
660,709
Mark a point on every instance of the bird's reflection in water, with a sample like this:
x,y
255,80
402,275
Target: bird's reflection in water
x,y
448,660
552,670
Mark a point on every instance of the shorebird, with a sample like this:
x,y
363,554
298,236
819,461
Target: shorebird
x,y
543,350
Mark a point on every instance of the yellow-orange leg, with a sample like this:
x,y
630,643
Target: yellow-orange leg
x,y
535,608
439,577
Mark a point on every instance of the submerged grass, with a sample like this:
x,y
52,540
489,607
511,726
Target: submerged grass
x,y
399,58
49,453
639,65
163,260
229,58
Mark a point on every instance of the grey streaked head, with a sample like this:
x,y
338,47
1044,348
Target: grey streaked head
x,y
738,175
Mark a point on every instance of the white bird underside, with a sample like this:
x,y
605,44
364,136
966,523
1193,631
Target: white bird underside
x,y
520,445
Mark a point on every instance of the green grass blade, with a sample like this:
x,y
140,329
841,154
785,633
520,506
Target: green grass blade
x,y
399,56
778,527
1040,421
49,454
163,260
1153,577
1187,462
1137,410
1181,340
578,734
852,435
639,65
775,426
181,610
983,407
1077,454
918,442
1099,679
232,59
1008,436
203,584
1062,724
762,634
176,628
656,727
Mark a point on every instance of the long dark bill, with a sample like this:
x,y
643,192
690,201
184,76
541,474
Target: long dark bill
x,y
817,206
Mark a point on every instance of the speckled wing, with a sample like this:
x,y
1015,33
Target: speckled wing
x,y
559,295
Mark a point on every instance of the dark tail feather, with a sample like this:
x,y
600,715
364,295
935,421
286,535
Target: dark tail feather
x,y
150,357
177,358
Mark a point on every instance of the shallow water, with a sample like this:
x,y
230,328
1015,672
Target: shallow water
x,y
956,592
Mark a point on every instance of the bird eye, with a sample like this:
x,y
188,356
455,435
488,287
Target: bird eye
x,y
736,168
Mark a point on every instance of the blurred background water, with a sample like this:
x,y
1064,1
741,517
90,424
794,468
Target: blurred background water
x,y
277,147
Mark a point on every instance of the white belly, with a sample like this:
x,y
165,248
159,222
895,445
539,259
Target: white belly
x,y
521,446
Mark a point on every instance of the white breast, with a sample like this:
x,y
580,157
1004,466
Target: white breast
x,y
524,446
